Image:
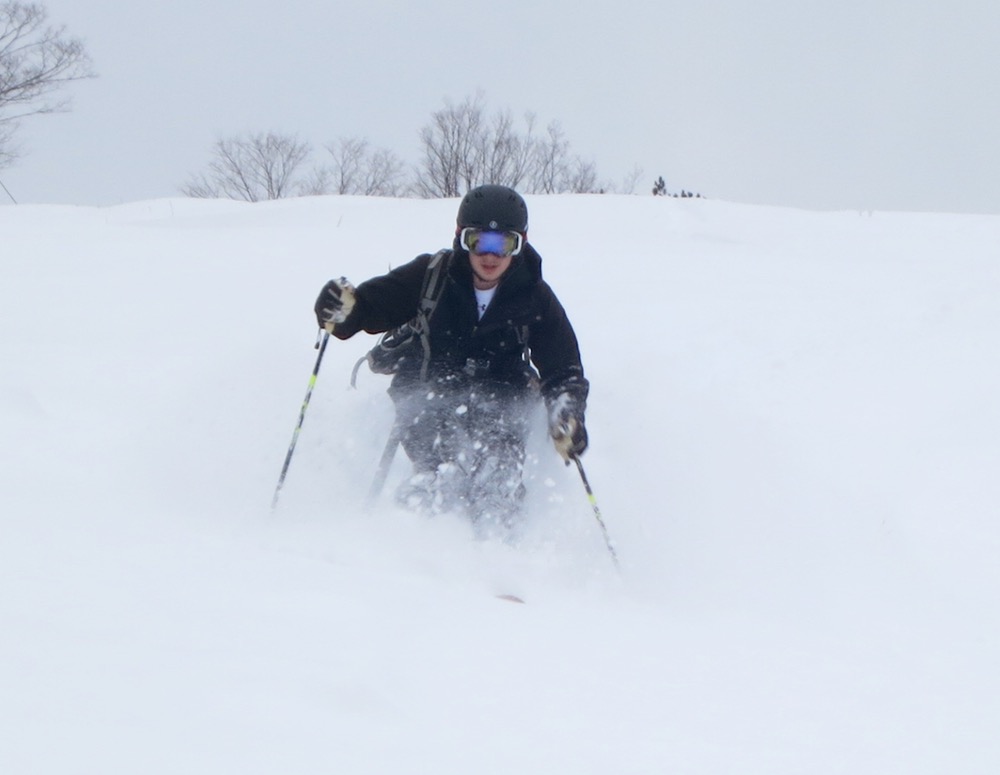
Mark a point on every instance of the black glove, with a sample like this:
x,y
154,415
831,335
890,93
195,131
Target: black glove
x,y
334,303
569,434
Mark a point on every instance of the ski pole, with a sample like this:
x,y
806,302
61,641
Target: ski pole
x,y
321,340
383,466
597,511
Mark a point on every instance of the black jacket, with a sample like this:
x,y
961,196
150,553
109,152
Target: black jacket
x,y
524,317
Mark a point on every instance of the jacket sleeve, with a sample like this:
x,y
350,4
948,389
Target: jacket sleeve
x,y
386,301
555,352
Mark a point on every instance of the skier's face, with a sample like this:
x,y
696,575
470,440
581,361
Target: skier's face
x,y
487,269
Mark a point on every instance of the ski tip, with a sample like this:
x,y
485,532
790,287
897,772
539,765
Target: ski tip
x,y
510,598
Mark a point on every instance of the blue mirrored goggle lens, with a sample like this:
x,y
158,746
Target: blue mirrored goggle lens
x,y
501,243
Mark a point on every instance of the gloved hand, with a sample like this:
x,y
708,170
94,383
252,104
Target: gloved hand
x,y
569,435
334,303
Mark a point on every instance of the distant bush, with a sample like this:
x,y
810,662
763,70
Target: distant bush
x,y
660,189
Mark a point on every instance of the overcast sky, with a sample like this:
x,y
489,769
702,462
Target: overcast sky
x,y
868,104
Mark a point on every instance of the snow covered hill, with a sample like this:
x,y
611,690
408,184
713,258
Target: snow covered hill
x,y
794,426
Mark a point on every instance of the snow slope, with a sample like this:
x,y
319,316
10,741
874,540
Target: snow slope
x,y
794,432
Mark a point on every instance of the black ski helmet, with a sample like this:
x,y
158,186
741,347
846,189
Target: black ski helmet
x,y
495,208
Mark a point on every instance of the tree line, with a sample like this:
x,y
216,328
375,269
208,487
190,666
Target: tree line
x,y
462,146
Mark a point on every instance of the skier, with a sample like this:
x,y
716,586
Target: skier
x,y
494,339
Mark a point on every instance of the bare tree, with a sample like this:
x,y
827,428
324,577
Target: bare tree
x,y
348,162
36,61
555,171
631,180
451,149
385,174
8,150
507,157
318,181
463,148
581,178
252,168
550,161
357,169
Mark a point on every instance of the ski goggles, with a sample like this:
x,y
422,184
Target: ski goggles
x,y
501,243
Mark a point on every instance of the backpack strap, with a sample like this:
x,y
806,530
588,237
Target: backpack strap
x,y
435,278
430,293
